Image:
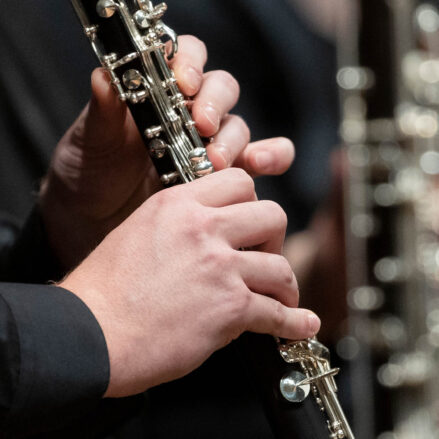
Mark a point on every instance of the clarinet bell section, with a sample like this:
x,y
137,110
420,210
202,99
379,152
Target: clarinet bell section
x,y
316,377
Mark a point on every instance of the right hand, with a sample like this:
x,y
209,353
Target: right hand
x,y
169,286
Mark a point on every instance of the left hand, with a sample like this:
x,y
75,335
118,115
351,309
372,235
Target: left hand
x,y
101,171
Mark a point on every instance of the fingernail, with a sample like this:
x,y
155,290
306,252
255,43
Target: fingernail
x,y
192,78
313,323
224,152
263,160
212,116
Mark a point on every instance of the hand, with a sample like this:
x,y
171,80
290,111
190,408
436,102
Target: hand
x,y
101,172
169,285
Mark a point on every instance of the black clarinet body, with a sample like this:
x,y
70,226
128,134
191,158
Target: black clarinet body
x,y
128,41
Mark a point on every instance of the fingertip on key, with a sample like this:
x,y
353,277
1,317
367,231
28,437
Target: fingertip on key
x,y
212,115
190,79
219,155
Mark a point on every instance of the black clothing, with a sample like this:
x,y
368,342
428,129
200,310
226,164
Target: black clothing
x,y
53,357
286,76
54,369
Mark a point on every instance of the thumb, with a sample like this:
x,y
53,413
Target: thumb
x,y
102,121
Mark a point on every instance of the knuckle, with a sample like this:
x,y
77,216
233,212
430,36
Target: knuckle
x,y
157,200
235,258
279,316
238,174
288,280
201,223
284,271
228,80
241,180
240,304
217,259
197,44
278,213
212,264
242,125
166,197
295,291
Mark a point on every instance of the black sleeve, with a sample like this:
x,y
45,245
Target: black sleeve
x,y
54,364
53,359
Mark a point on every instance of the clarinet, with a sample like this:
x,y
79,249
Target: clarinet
x,y
128,37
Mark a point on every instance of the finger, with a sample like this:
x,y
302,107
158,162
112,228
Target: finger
x,y
229,142
222,188
268,316
270,275
101,123
217,96
259,223
189,63
267,157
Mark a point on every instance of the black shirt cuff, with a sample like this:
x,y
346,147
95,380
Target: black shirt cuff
x,y
63,368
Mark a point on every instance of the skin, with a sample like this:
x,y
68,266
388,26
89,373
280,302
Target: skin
x,y
166,280
169,286
101,171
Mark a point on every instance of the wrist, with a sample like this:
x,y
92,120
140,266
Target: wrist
x,y
108,308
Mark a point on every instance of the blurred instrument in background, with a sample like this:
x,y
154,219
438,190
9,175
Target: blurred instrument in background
x,y
389,81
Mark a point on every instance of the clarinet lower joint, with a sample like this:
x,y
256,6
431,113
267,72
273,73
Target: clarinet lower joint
x,y
316,377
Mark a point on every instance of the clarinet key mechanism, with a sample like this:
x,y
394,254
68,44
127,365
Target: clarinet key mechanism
x,y
316,377
128,37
